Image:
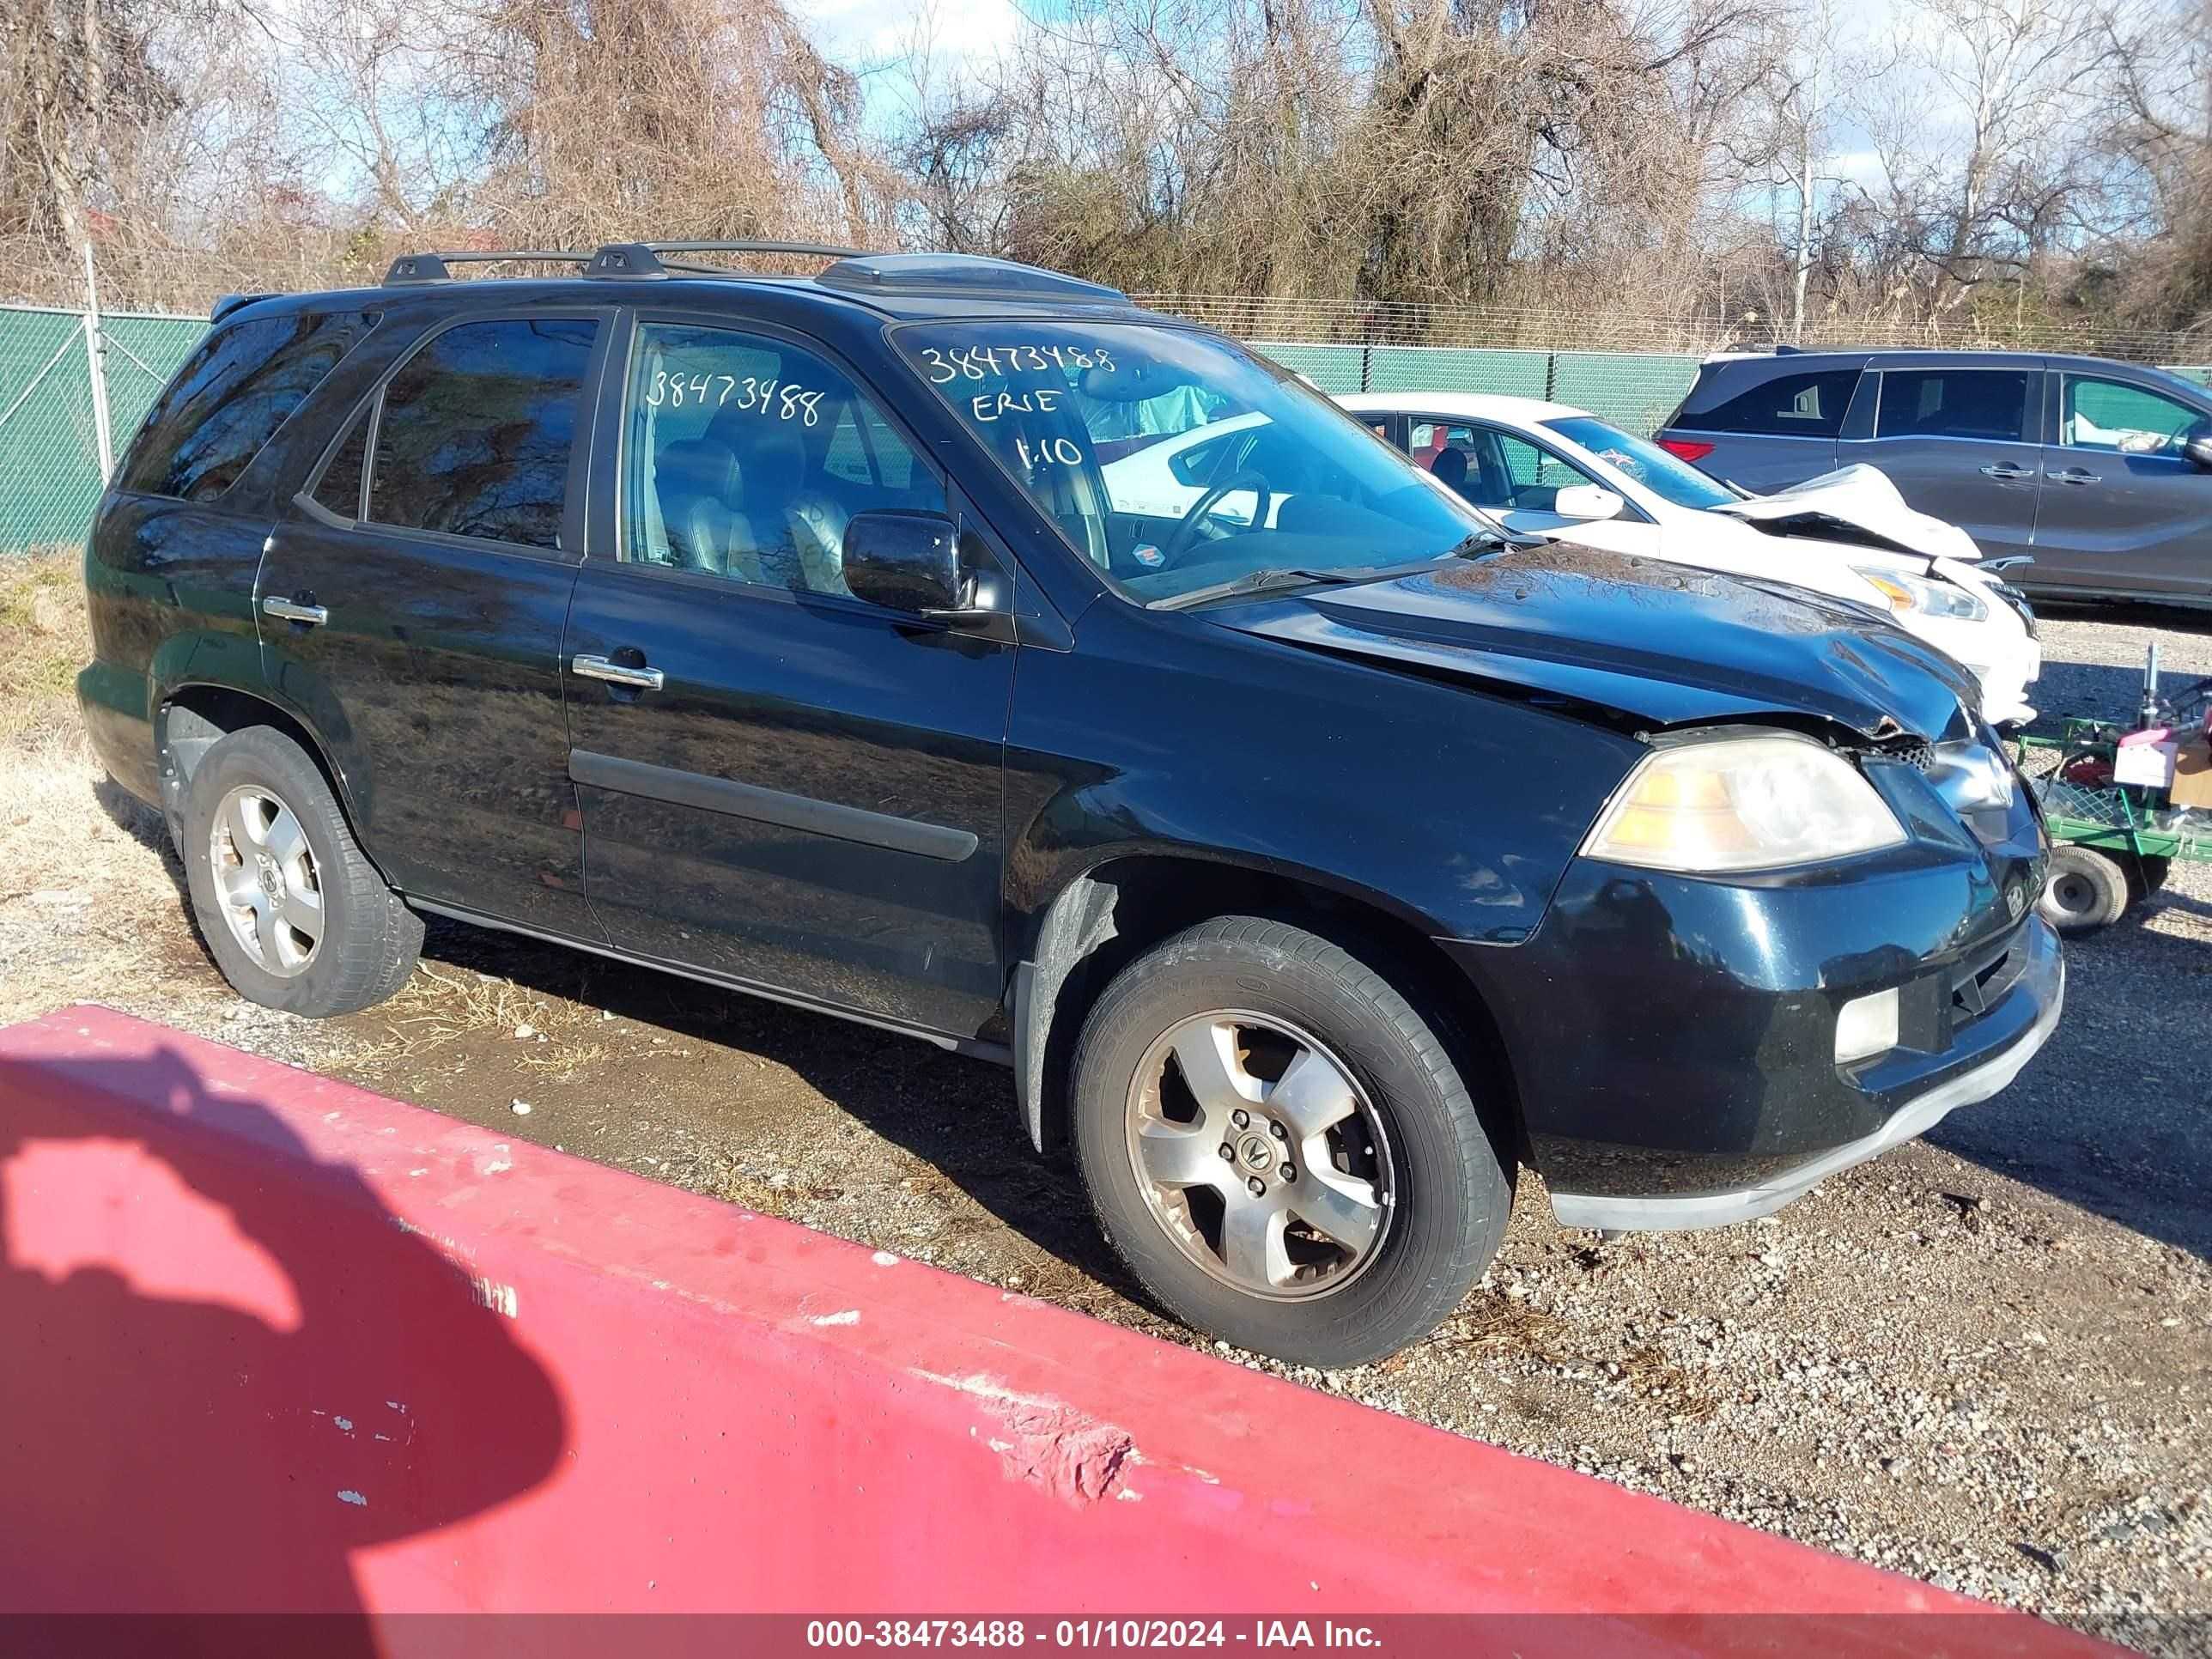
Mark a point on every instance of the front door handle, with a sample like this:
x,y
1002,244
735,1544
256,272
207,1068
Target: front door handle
x,y
314,616
2074,475
615,673
2007,471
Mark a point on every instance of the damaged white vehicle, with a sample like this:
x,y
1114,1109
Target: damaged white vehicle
x,y
1549,470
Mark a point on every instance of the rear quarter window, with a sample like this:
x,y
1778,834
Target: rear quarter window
x,y
1808,404
230,398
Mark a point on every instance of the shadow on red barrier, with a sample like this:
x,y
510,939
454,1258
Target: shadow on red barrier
x,y
229,1366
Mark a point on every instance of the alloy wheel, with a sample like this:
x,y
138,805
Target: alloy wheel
x,y
266,876
1259,1154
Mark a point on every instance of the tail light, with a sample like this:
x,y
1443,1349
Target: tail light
x,y
1688,449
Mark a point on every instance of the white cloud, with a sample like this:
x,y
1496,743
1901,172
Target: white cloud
x,y
955,33
1858,167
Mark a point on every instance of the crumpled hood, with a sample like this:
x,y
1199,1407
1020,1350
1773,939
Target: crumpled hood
x,y
1856,498
1662,644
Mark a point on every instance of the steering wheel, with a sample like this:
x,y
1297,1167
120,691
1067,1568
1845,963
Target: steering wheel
x,y
1180,537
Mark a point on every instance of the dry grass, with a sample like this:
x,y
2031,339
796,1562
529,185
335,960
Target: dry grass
x,y
88,901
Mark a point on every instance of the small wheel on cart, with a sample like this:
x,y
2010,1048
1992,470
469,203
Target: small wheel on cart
x,y
2147,875
2084,891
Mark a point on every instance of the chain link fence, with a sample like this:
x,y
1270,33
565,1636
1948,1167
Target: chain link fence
x,y
50,466
50,474
1708,328
1637,390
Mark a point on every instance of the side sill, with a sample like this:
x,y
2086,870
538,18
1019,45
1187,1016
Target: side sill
x,y
973,1048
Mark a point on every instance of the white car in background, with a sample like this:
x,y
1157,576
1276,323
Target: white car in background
x,y
1549,470
1164,477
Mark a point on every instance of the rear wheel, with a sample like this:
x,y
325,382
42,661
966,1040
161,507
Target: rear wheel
x,y
1279,1147
293,914
2146,875
2084,890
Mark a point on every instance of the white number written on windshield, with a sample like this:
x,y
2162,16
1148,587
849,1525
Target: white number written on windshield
x,y
983,362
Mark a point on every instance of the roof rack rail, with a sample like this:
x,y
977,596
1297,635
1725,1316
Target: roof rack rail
x,y
963,273
411,269
643,259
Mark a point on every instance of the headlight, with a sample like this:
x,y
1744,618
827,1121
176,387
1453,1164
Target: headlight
x,y
1742,804
1913,596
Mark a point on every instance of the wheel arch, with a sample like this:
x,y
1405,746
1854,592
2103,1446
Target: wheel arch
x,y
1113,910
192,717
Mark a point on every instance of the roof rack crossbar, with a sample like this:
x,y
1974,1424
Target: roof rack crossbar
x,y
411,269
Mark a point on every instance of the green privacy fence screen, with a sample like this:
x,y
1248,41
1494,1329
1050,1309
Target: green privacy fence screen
x,y
50,455
49,447
1635,389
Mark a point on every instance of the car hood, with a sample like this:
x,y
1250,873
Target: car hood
x,y
1653,643
1856,503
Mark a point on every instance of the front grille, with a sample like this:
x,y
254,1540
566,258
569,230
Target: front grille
x,y
1979,983
2018,600
1916,752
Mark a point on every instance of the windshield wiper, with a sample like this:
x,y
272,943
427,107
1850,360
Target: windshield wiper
x,y
1258,581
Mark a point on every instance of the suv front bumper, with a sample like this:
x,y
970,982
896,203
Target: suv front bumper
x,y
1673,1039
2036,997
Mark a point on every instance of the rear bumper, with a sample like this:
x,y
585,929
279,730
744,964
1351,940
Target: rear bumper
x,y
113,702
2036,997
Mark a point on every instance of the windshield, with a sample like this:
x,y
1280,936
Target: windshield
x,y
1667,477
1174,461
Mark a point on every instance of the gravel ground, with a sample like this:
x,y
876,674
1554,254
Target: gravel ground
x,y
1981,1360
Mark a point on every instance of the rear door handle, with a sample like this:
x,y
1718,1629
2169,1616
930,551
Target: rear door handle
x,y
2008,472
314,616
615,673
2072,475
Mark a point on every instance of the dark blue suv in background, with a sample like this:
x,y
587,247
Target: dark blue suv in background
x,y
1315,860
2097,474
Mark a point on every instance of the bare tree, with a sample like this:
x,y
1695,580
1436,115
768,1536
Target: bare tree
x,y
1986,138
2157,64
1811,59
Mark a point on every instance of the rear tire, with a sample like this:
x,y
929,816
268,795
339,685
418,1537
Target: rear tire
x,y
2083,890
2146,875
1362,1191
293,914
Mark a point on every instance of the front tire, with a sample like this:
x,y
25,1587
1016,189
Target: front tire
x,y
293,914
1280,1148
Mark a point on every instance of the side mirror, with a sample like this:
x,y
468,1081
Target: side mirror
x,y
905,561
1586,503
2198,446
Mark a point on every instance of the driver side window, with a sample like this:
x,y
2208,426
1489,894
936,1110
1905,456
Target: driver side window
x,y
2131,419
1497,469
746,457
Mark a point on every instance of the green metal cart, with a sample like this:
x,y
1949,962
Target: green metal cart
x,y
2112,842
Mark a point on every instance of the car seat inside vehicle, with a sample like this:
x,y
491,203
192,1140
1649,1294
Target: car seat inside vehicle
x,y
700,482
800,529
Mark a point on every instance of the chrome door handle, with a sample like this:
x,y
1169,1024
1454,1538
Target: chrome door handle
x,y
2074,475
615,673
314,616
2008,472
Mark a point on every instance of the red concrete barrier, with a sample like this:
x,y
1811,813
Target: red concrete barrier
x,y
277,1344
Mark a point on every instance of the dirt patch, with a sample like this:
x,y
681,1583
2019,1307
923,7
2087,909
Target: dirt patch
x,y
1983,1361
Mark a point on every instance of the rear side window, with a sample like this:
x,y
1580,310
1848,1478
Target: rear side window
x,y
1807,405
478,428
227,402
1954,402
